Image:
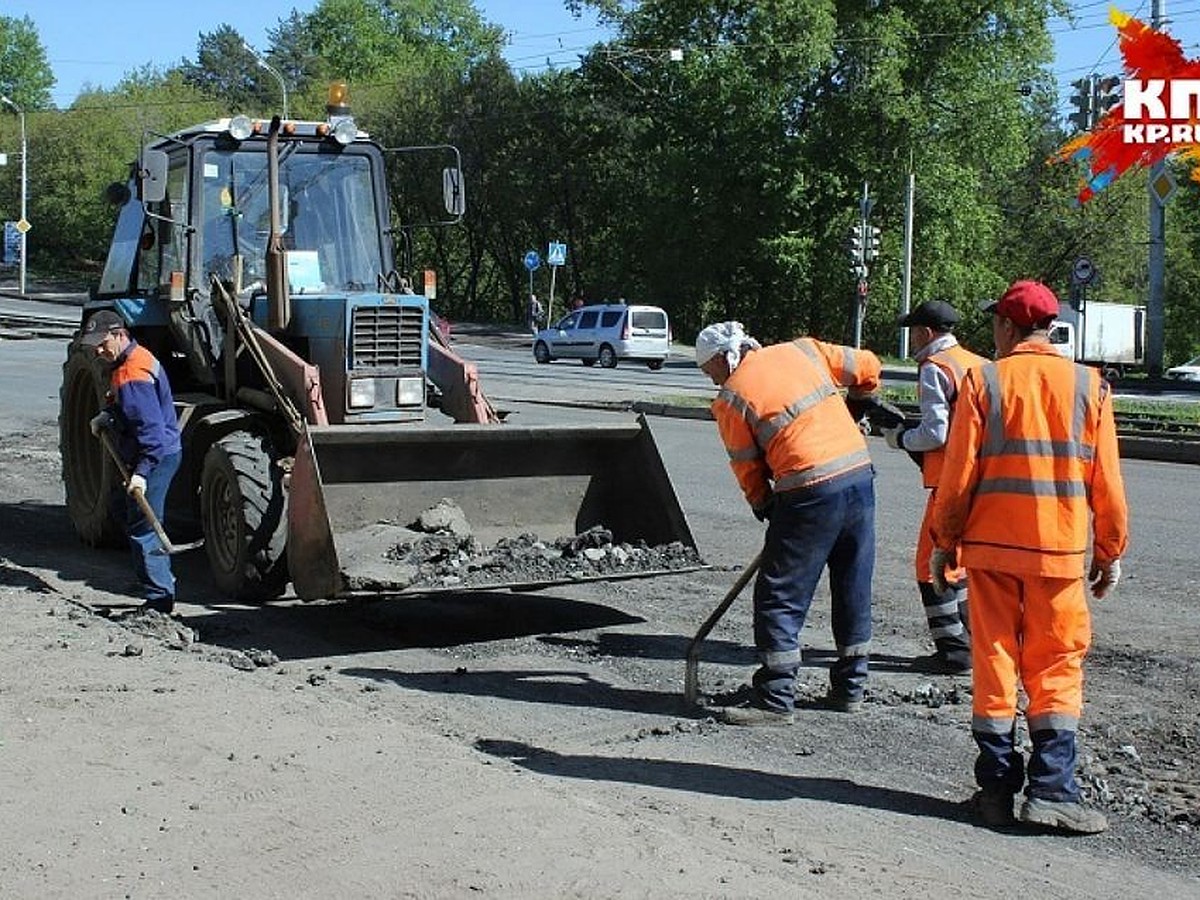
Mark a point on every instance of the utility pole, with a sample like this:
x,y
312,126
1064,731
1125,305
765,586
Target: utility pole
x,y
869,243
906,276
23,225
1157,248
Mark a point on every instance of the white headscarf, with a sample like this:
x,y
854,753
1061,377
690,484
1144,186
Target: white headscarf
x,y
729,338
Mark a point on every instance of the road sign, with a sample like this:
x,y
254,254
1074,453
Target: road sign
x,y
23,226
1083,272
556,255
1163,187
532,260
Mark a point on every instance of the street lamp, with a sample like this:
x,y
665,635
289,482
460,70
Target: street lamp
x,y
23,225
264,64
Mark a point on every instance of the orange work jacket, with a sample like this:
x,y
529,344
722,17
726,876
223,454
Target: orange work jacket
x,y
954,361
783,420
1032,446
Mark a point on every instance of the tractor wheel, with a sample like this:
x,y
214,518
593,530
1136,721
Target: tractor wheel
x,y
608,357
90,478
244,517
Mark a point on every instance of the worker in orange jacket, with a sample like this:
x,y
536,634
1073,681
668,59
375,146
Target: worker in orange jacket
x,y
941,364
1032,450
803,466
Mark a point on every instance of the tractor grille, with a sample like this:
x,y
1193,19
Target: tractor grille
x,y
386,337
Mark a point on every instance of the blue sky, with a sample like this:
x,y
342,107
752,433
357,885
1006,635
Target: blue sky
x,y
89,41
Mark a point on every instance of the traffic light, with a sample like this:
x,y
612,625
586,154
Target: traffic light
x,y
871,250
854,244
1083,98
1106,93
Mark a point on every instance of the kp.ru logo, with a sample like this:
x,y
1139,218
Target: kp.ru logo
x,y
1157,110
1158,115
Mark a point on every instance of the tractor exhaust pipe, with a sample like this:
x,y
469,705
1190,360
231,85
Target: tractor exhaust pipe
x,y
279,301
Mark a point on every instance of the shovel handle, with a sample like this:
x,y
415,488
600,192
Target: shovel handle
x,y
138,497
691,670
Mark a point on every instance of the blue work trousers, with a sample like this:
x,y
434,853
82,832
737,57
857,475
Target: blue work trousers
x,y
151,565
1051,769
810,531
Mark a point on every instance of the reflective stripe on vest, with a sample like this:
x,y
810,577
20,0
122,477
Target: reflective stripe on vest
x,y
954,361
996,443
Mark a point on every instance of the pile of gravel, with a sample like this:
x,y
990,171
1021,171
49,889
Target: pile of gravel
x,y
440,550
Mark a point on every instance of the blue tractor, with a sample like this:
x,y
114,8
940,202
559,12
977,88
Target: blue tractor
x,y
257,260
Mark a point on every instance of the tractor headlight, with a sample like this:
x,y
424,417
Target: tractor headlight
x,y
362,393
410,392
345,131
240,128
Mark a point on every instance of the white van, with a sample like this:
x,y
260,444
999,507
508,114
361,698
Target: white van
x,y
606,334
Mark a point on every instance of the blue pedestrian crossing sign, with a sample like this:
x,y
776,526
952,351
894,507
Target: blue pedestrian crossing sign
x,y
532,260
556,255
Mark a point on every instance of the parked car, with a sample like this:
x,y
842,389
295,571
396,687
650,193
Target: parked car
x,y
607,334
1189,371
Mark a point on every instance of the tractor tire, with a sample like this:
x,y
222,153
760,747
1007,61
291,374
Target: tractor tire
x,y
90,478
244,516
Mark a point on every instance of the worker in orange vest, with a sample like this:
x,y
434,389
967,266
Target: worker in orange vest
x,y
803,466
1032,450
941,364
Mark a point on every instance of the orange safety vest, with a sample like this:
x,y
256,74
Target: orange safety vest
x,y
954,361
783,420
1032,446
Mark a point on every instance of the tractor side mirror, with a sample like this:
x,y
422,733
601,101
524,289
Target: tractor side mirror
x,y
453,191
152,176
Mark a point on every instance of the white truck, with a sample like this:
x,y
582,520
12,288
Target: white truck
x,y
1109,335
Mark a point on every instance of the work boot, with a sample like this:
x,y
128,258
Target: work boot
x,y
166,605
945,662
1063,815
840,702
755,716
994,808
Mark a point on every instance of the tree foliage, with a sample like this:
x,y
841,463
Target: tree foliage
x,y
710,158
25,75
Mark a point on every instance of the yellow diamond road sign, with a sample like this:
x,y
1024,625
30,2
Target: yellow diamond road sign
x,y
1163,186
23,226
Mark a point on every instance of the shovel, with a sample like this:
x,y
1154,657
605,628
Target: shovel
x,y
691,672
168,548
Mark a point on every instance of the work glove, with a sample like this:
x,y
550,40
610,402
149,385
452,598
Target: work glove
x,y
763,513
100,422
894,436
1104,576
939,561
137,484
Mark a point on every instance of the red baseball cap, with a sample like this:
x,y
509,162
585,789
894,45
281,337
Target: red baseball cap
x,y
1026,303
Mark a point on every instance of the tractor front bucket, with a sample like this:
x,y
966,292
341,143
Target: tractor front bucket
x,y
356,490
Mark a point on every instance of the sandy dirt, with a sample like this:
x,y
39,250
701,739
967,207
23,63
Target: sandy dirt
x,y
536,744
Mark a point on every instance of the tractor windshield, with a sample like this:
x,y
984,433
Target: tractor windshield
x,y
328,220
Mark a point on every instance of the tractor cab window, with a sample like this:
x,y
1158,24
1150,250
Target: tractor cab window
x,y
327,220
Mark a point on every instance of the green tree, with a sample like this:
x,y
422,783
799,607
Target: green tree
x,y
226,68
25,75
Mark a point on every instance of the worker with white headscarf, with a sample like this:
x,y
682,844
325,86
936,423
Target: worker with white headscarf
x,y
803,466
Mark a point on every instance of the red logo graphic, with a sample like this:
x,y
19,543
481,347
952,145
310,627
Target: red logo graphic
x,y
1159,113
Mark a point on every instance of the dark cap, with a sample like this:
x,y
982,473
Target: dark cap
x,y
933,314
99,325
1026,303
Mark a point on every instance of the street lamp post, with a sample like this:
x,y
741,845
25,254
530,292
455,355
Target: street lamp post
x,y
24,223
278,77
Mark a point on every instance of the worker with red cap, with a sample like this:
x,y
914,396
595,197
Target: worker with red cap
x,y
1032,453
941,364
